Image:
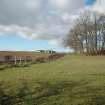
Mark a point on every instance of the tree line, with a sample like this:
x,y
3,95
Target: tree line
x,y
87,36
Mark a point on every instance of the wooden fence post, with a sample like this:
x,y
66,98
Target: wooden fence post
x,y
25,61
15,60
20,60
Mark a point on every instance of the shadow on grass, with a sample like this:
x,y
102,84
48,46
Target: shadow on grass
x,y
40,93
89,95
44,91
5,67
10,99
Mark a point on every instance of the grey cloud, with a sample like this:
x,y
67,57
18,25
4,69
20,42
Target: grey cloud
x,y
37,19
99,6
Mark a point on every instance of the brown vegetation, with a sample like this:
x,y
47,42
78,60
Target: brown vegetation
x,y
15,58
88,34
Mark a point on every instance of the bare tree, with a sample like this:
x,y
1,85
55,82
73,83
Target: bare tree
x,y
88,34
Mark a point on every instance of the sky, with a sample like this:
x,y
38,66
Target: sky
x,y
90,2
40,24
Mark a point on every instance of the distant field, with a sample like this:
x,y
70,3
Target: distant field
x,y
72,80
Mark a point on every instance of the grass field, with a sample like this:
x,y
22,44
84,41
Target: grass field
x,y
72,80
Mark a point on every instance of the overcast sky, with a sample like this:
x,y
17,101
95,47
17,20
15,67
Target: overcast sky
x,y
39,20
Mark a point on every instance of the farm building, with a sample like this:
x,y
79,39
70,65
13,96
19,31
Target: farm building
x,y
20,57
46,51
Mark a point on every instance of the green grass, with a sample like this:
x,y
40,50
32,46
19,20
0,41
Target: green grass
x,y
72,80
